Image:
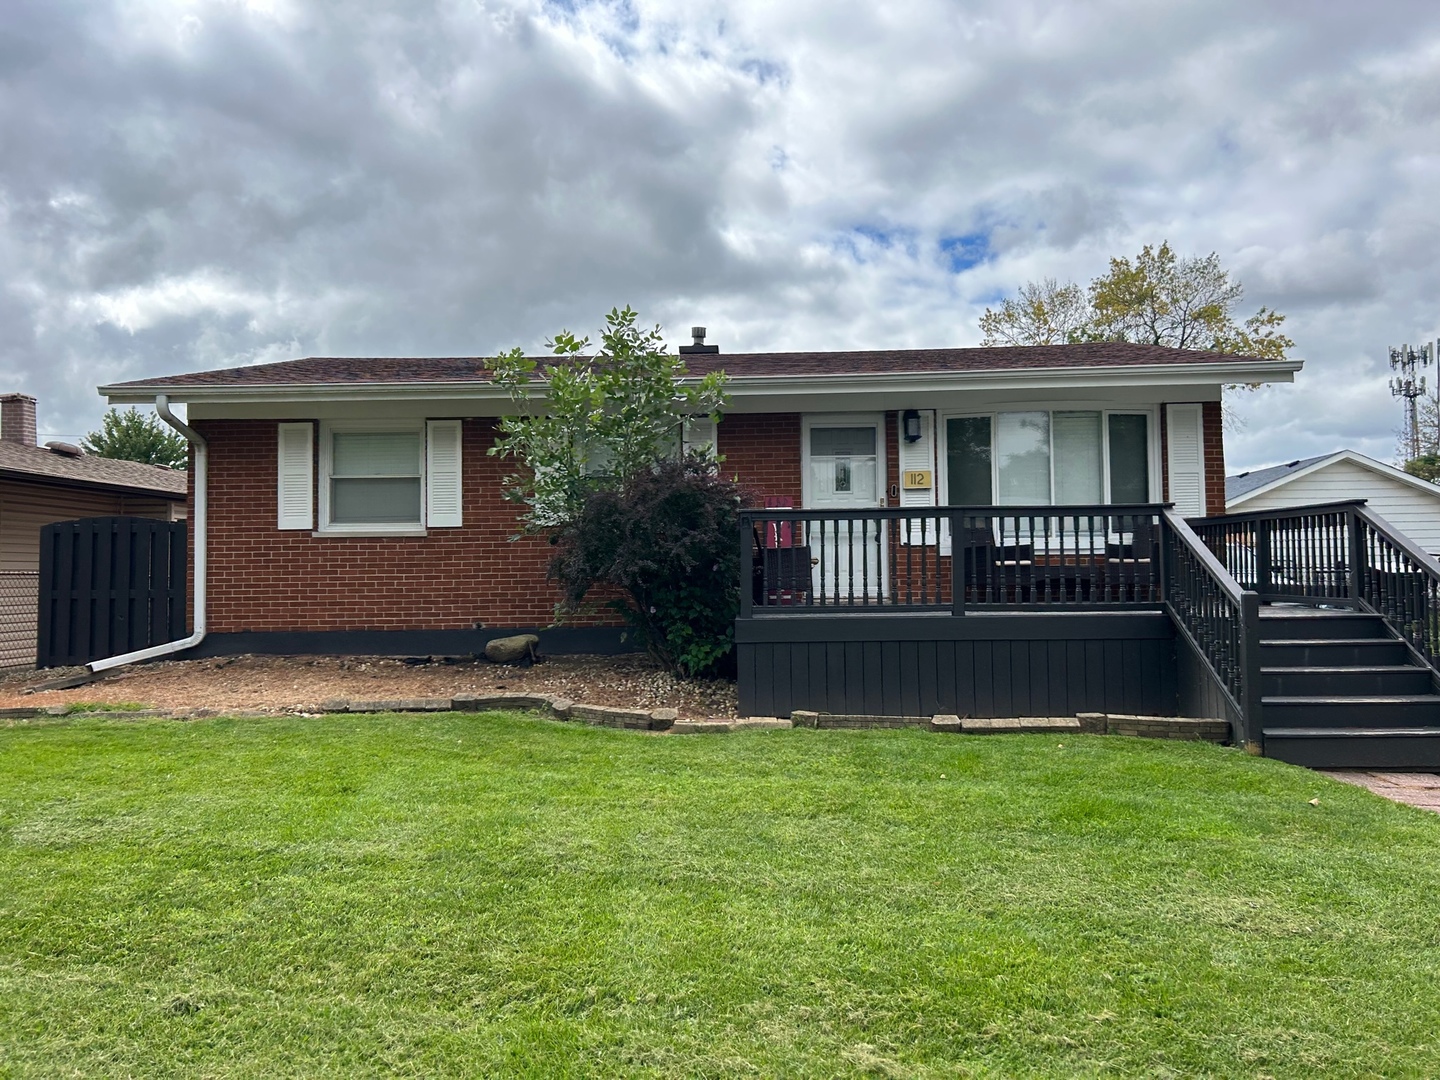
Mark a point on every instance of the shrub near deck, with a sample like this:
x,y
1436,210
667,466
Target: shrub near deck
x,y
468,895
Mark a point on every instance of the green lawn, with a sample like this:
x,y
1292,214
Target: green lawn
x,y
480,895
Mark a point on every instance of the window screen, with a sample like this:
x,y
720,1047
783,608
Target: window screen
x,y
1079,454
1022,456
1129,458
375,478
967,460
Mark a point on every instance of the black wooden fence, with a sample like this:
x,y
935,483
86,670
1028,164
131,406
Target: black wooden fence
x,y
109,585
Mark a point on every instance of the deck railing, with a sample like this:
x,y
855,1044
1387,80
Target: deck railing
x,y
1335,553
1218,615
950,558
993,558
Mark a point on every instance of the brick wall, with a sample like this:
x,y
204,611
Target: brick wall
x,y
763,450
1212,423
266,579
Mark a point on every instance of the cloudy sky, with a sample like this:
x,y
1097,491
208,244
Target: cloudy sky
x,y
188,184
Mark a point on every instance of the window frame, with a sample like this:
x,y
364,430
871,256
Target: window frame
x,y
1152,449
328,430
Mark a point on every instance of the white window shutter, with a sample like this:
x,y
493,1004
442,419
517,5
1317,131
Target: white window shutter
x,y
442,474
1185,459
913,457
700,434
296,484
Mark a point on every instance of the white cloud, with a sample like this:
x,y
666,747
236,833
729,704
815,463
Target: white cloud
x,y
210,182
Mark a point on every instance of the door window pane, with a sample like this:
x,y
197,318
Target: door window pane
x,y
842,442
1078,457
967,460
1022,454
1129,458
844,466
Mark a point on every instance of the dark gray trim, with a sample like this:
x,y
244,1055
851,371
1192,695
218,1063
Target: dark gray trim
x,y
1038,664
977,626
601,640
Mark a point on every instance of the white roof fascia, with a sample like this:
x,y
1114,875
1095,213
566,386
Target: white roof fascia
x,y
1377,467
750,386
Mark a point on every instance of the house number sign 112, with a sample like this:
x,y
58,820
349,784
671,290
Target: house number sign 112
x,y
913,479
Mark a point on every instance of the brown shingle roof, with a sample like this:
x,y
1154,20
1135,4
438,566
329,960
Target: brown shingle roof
x,y
331,370
17,459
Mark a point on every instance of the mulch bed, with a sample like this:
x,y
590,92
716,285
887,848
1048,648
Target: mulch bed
x,y
302,683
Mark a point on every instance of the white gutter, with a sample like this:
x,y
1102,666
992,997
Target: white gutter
x,y
201,519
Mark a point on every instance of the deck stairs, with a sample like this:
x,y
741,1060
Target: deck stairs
x,y
1339,690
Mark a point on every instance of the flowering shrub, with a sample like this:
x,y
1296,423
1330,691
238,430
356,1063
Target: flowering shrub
x,y
667,540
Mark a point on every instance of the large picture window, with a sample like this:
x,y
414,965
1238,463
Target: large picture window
x,y
1048,457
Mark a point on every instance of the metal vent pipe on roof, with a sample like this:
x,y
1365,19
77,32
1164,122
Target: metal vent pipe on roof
x,y
697,335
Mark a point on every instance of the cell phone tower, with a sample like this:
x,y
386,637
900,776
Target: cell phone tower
x,y
1407,384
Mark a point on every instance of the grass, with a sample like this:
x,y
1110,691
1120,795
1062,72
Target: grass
x,y
494,895
77,707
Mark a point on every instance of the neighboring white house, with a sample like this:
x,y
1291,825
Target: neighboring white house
x,y
1410,504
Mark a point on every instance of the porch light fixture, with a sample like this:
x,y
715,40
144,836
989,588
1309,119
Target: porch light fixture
x,y
911,420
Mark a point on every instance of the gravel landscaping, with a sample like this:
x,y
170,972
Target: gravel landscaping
x,y
302,683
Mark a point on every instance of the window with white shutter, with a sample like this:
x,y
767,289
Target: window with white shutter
x,y
296,482
442,474
1185,458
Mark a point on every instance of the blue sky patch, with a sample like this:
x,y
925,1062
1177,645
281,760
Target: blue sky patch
x,y
963,252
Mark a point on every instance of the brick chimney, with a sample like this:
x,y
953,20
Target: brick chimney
x,y
17,419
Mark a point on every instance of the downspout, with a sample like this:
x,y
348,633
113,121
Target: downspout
x,y
201,520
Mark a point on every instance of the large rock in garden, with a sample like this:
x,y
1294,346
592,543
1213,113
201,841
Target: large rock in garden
x,y
509,650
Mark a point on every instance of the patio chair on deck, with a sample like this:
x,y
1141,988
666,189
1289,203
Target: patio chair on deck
x,y
994,573
782,569
1130,565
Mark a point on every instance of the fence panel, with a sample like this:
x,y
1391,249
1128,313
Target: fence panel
x,y
109,585
19,590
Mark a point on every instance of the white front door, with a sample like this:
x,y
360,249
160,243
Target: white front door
x,y
845,470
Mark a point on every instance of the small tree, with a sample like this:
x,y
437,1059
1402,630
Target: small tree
x,y
1160,298
135,436
598,439
1044,313
594,421
1426,467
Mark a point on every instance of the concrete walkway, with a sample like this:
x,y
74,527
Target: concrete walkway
x,y
1414,789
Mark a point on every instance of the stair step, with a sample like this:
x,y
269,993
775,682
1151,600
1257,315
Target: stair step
x,y
1343,680
1415,748
1333,652
1371,711
1321,624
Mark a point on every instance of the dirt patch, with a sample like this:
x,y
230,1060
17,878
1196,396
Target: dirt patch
x,y
301,683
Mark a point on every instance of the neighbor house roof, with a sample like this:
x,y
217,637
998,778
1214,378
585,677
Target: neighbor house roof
x,y
455,372
38,463
1244,486
1246,482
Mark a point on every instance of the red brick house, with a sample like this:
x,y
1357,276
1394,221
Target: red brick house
x,y
351,506
291,551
